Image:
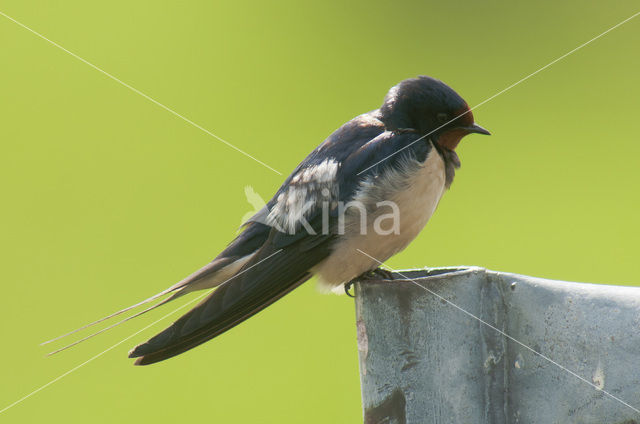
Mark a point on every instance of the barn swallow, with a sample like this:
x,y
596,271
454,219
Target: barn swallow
x,y
402,156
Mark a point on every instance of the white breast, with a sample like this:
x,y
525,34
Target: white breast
x,y
417,200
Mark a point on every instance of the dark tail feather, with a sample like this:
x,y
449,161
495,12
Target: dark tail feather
x,y
121,311
279,266
272,273
178,289
169,299
220,311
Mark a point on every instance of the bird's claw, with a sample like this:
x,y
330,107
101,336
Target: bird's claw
x,y
347,287
382,273
378,272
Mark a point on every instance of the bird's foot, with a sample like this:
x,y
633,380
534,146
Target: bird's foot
x,y
382,273
347,287
378,273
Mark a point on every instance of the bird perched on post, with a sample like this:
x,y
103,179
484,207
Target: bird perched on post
x,y
390,166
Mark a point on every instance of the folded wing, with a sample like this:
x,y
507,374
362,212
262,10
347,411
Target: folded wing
x,y
280,266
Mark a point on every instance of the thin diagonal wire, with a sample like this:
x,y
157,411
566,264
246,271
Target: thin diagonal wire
x,y
126,338
505,90
503,333
135,90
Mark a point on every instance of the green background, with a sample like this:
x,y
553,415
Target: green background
x,y
107,198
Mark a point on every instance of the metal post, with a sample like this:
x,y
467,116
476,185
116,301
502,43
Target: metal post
x,y
423,360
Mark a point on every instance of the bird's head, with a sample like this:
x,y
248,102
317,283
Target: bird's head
x,y
429,106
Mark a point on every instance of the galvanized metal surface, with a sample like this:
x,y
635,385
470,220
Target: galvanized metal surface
x,y
422,360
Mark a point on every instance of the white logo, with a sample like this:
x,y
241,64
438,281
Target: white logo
x,y
255,200
287,219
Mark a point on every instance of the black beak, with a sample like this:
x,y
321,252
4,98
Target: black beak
x,y
475,128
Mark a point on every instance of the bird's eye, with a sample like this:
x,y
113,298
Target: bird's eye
x,y
442,117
